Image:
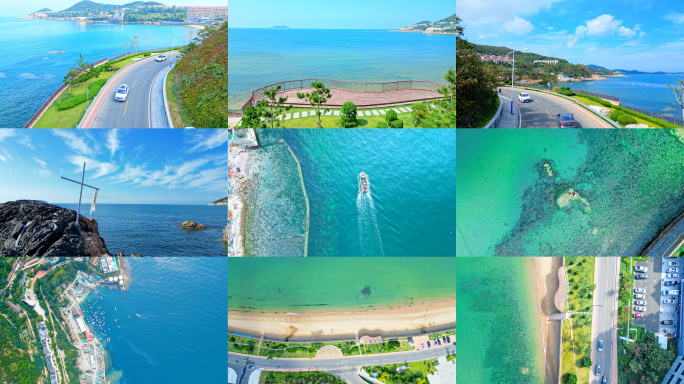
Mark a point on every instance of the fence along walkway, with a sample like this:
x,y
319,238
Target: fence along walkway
x,y
365,95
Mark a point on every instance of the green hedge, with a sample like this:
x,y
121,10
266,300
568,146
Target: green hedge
x,y
625,119
71,102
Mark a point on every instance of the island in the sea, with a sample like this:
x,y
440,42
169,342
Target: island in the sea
x,y
445,26
280,27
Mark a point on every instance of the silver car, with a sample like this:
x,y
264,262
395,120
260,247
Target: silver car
x,y
640,309
639,302
672,275
639,296
121,93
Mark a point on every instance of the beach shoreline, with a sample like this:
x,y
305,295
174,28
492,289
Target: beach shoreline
x,y
240,152
346,324
544,273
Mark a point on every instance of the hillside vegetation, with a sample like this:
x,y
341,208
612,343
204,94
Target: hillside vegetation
x,y
199,82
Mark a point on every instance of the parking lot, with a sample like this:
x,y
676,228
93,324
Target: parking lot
x,y
656,309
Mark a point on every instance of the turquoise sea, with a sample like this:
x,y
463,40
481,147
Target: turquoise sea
x,y
315,284
507,202
30,61
412,204
649,92
259,57
170,326
497,330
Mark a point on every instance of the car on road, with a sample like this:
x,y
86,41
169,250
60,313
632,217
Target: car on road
x,y
667,322
671,292
673,264
639,302
603,381
161,58
670,282
675,270
565,119
635,315
438,342
640,309
641,276
600,345
639,290
672,275
598,369
429,344
639,296
524,97
121,93
668,301
640,268
251,367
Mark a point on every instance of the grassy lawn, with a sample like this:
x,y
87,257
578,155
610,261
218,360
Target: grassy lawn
x,y
591,102
69,118
417,371
441,334
268,377
333,121
577,331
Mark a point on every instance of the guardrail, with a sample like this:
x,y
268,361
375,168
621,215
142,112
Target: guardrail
x,y
669,119
348,86
609,121
494,122
599,95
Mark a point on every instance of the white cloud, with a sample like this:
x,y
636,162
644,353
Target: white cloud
x,y
43,171
591,49
5,133
603,25
549,28
101,169
191,166
73,141
204,141
26,141
519,26
210,177
486,35
675,17
479,12
132,173
113,142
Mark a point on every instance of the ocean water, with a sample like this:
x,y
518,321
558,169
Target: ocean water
x,y
506,203
412,174
170,326
314,284
259,57
30,63
154,230
498,335
649,92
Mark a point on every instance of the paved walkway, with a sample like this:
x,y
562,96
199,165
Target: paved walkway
x,y
365,99
157,110
509,120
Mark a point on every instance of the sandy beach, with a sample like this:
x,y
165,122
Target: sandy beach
x,y
346,324
545,274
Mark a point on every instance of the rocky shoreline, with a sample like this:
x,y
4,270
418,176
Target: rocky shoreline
x,y
241,149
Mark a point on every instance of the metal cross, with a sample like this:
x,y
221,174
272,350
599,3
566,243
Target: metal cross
x,y
78,212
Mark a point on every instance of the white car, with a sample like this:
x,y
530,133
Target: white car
x,y
639,296
673,264
161,58
640,302
672,275
121,93
674,292
524,97
675,270
640,268
639,290
640,309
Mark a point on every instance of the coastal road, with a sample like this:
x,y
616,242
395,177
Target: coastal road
x,y
604,319
143,107
542,111
240,363
669,240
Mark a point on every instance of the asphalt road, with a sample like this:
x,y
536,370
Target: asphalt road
x,y
240,362
604,324
542,110
135,111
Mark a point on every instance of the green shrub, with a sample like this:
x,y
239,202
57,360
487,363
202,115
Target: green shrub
x,y
586,362
570,378
615,115
626,119
348,115
147,54
71,102
566,93
382,124
390,116
396,123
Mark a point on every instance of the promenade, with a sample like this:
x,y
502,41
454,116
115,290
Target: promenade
x,y
364,99
668,241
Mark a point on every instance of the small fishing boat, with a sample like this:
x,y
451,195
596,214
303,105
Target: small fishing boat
x,y
363,182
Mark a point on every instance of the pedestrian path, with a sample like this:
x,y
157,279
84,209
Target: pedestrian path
x,y
336,112
508,119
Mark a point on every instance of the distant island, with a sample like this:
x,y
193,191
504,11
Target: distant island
x,y
445,26
135,12
223,201
280,27
634,72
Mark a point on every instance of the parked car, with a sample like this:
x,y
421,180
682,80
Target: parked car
x,y
640,268
674,292
641,276
639,290
639,296
673,264
603,381
598,369
672,275
121,93
564,120
667,322
524,97
635,315
429,345
600,345
161,58
668,301
640,309
674,270
438,342
639,302
670,282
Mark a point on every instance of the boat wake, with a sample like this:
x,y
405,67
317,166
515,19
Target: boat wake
x,y
370,240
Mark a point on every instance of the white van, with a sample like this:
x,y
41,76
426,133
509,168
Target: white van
x,y
671,292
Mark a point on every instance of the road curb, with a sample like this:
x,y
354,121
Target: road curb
x,y
169,121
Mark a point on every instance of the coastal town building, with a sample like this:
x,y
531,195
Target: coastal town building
x,y
496,59
201,14
546,61
108,264
118,16
47,352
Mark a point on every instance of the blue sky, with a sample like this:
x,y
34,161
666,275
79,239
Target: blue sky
x,y
336,14
645,35
23,8
130,166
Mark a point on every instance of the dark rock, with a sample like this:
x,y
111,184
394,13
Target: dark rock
x,y
136,255
34,228
187,224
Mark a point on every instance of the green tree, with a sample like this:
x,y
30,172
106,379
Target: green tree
x,y
586,362
251,118
569,378
317,98
272,107
679,94
420,113
348,115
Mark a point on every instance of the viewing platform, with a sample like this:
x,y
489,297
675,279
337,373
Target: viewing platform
x,y
364,95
